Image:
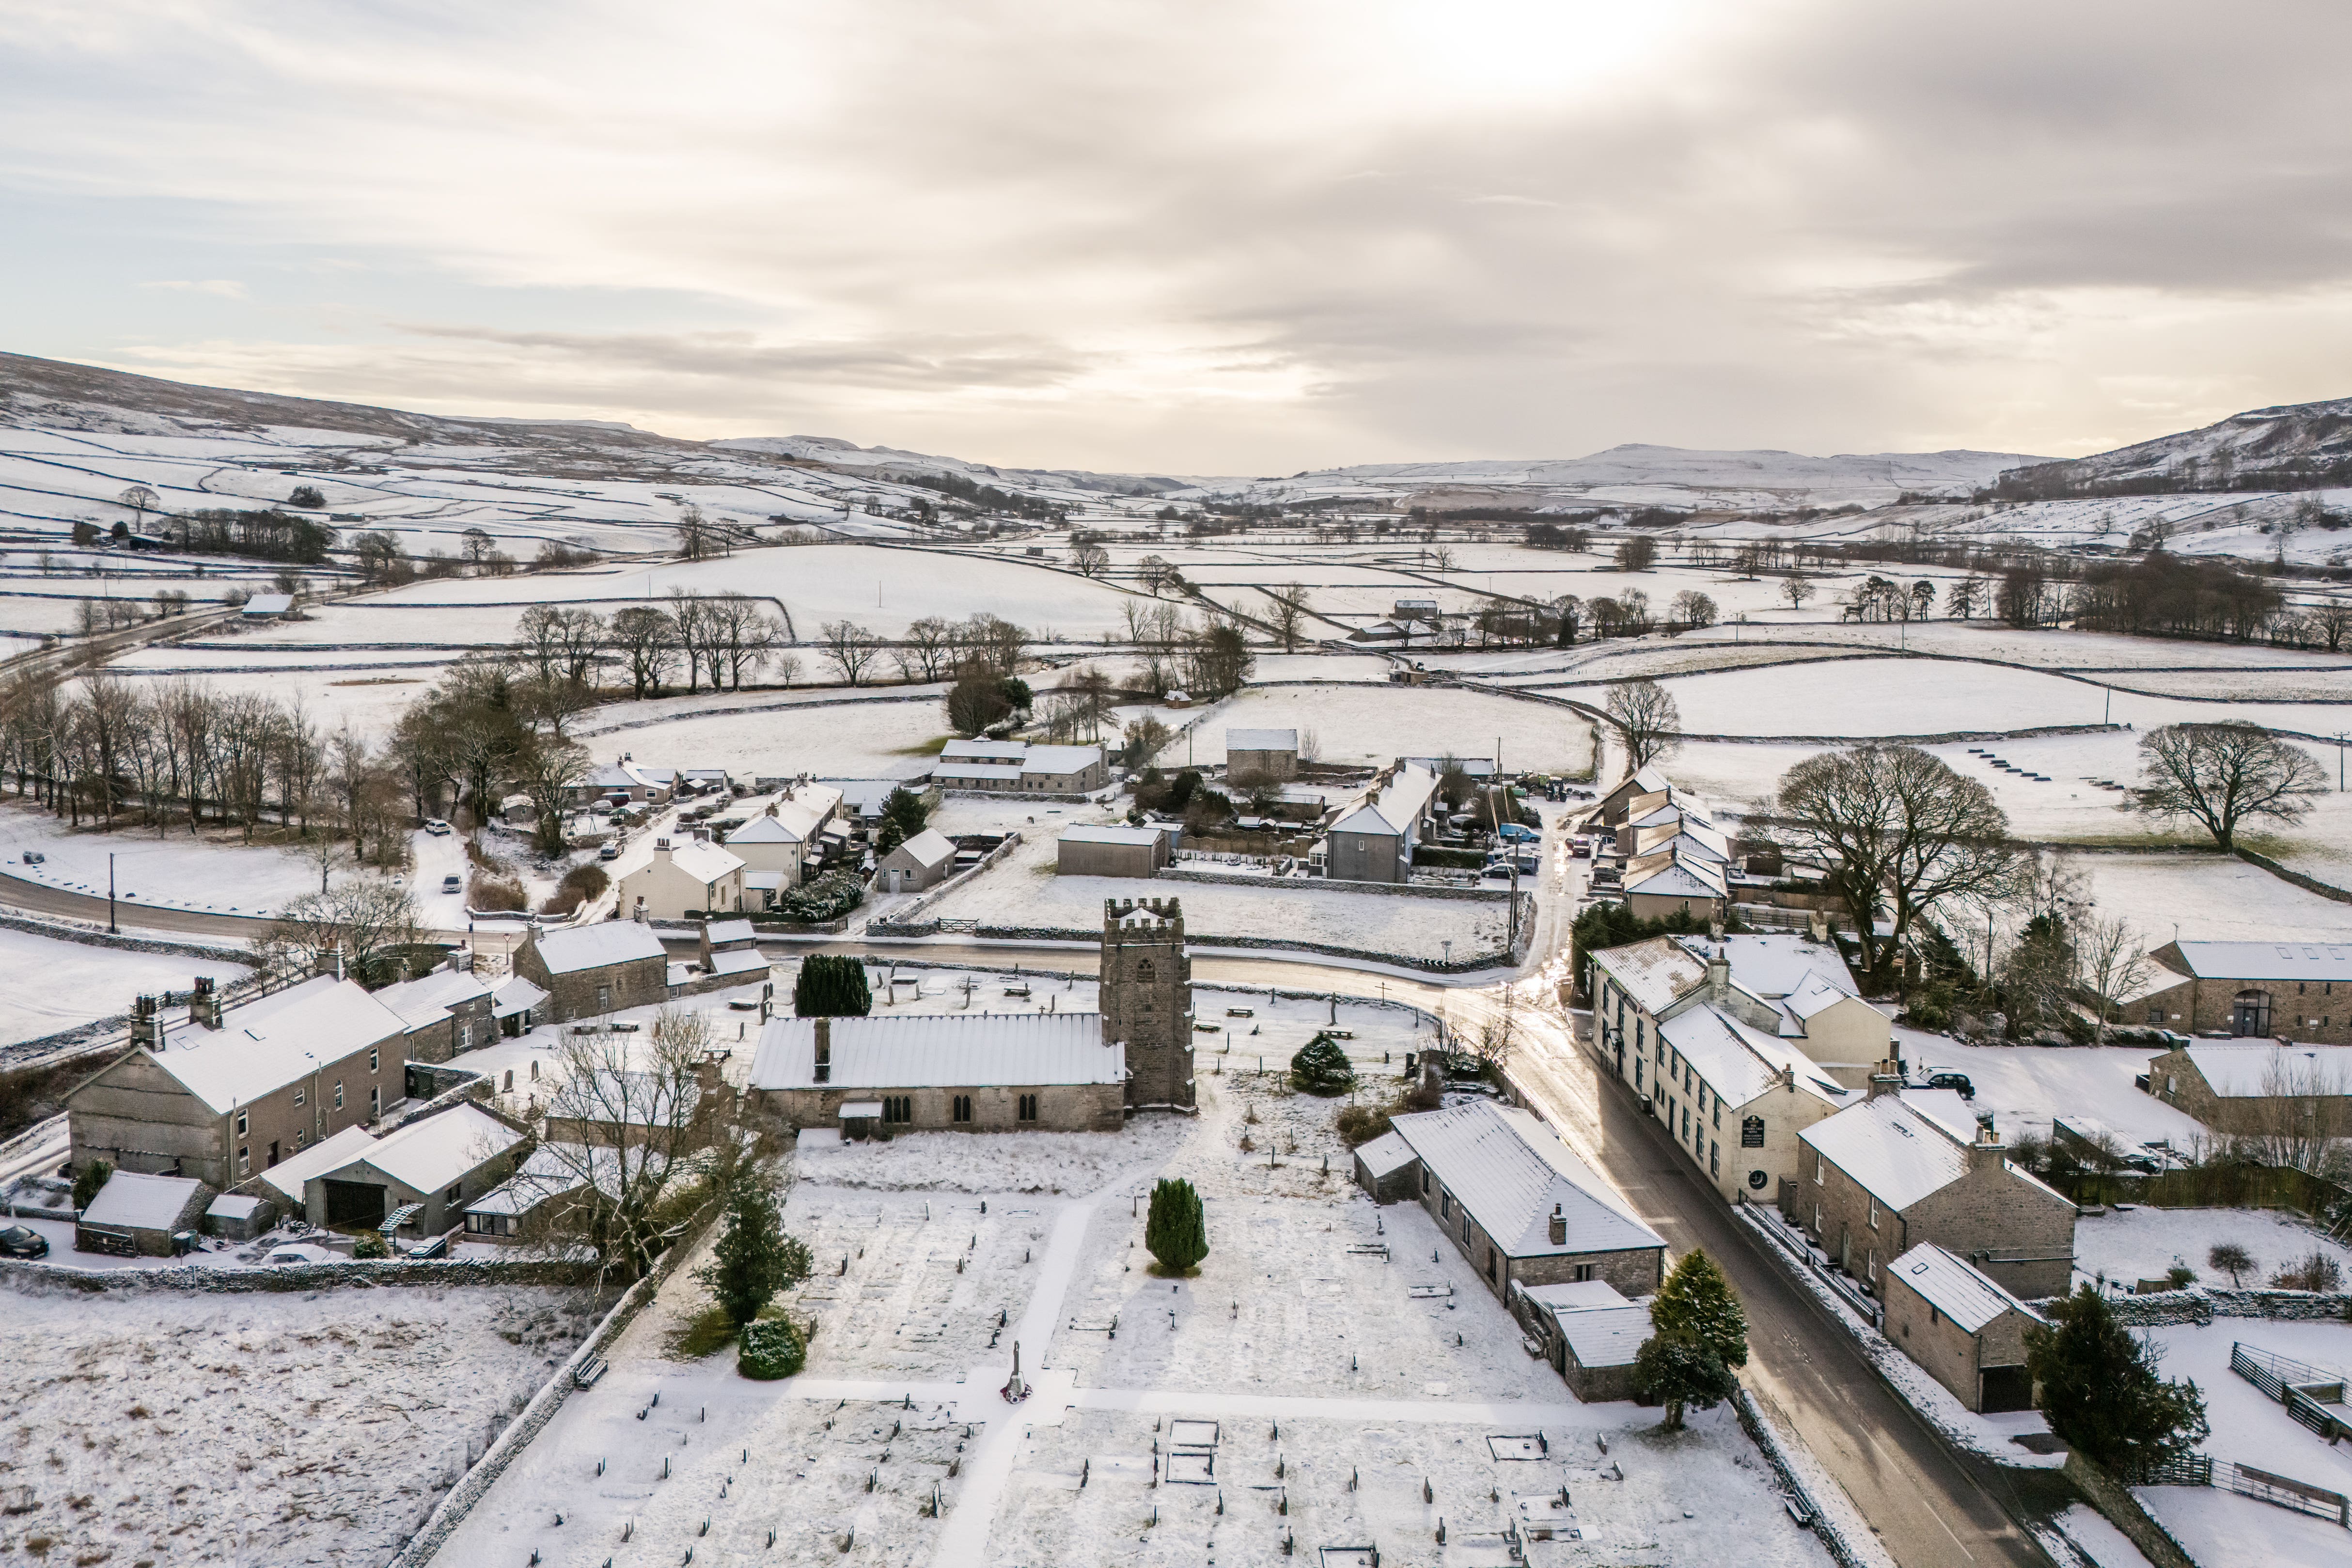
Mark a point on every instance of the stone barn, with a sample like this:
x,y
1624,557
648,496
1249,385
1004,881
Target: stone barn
x,y
592,969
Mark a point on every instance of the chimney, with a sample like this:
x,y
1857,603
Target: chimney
x,y
1887,1079
1718,977
661,848
1988,1151
204,1004
639,913
824,1073
1817,925
143,1023
1559,1226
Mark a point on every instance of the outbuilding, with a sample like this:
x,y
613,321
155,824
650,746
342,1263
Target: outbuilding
x,y
1967,1331
1269,756
430,1166
1087,849
922,861
591,970
1589,1331
136,1216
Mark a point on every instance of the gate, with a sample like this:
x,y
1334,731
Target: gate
x,y
354,1203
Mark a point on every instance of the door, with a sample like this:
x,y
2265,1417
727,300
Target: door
x,y
2250,1014
354,1203
2004,1388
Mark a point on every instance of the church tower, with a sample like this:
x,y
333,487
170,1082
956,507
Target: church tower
x,y
1147,998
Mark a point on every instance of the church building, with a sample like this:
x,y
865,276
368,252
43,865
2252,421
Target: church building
x,y
1000,1072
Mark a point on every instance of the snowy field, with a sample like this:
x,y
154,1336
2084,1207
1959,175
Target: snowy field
x,y
257,1427
1023,889
1376,724
2225,1531
48,986
830,740
215,872
2140,1242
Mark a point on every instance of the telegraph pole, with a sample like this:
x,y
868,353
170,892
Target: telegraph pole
x,y
111,927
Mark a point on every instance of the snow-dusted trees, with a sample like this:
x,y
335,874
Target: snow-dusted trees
x,y
2222,776
1647,721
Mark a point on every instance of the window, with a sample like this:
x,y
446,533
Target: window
x,y
962,1108
1490,1263
1873,1275
1751,1133
2155,1013
1817,1170
241,1128
1424,1181
1145,974
450,1197
1584,1272
375,1102
244,1160
900,1109
1873,1211
300,1137
372,1056
1718,1113
1687,1124
339,1094
1445,1203
1465,1227
1637,1074
298,1092
1028,1108
604,997
1714,1158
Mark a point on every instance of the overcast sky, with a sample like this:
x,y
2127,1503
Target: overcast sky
x,y
1199,237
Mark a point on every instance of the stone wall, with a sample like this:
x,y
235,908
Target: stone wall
x,y
361,1276
1339,884
2201,1304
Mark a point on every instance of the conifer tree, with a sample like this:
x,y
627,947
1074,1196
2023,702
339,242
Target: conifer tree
x,y
904,814
832,987
1698,1303
1678,1372
753,1258
2100,1391
1176,1232
1321,1067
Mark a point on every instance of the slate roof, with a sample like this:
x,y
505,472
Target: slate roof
x,y
1084,833
1652,972
436,1152
1738,1062
1954,1288
1671,873
1396,807
1602,1328
2267,960
934,1051
266,1044
1510,1171
2240,1071
705,862
1895,1153
1060,759
428,998
576,948
747,961
931,849
1385,1156
515,994
983,751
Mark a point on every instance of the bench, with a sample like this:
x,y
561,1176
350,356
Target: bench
x,y
585,1375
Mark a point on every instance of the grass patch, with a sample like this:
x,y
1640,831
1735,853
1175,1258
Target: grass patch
x,y
923,748
707,1334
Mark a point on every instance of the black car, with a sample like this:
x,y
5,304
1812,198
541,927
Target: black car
x,y
23,1241
1953,1080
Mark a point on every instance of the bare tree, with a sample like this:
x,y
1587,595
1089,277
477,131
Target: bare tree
x,y
697,537
1796,588
629,1121
646,641
851,650
927,652
474,545
1090,559
2329,622
367,920
2113,961
690,622
141,501
1289,613
1692,609
549,772
1896,832
1648,724
2224,775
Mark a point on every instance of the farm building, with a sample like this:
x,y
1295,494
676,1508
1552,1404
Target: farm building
x,y
2259,1088
2252,989
267,607
1967,1330
1589,1331
1014,767
687,878
1268,756
446,1011
1095,850
1372,840
594,968
282,1183
430,1166
232,1091
1908,1166
922,861
1518,1204
136,1216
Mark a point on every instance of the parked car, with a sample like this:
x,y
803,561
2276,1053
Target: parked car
x,y
1580,848
1513,833
35,858
435,826
303,1252
1944,1077
452,885
23,1241
432,1247
609,852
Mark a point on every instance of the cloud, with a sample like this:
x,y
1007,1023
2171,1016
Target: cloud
x,y
1222,236
226,288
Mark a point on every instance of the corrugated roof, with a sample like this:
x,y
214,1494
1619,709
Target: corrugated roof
x,y
932,1051
1385,1156
2268,960
1896,1152
1261,739
137,1202
1510,1171
1954,1287
594,946
266,1044
1079,833
983,751
436,1152
2260,1067
287,1176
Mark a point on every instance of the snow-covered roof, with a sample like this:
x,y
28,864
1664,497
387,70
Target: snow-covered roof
x,y
1652,972
867,797
428,998
2259,1067
287,1176
550,1173
1778,965
739,960
1670,873
1261,739
1600,1326
1511,1172
2267,960
264,1046
515,994
705,862
930,848
233,1205
1395,806
1385,1156
269,604
1896,1151
764,881
766,829
1088,833
1741,1063
1061,759
985,773
722,934
570,950
1694,839
425,1156
935,1050
983,751
136,1202
1954,1288
1946,1109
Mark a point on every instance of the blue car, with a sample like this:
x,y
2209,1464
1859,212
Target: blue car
x,y
1512,832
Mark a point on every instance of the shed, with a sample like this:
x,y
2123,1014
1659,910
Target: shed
x,y
1270,755
282,1183
500,1215
136,1216
1384,1168
435,1164
239,1217
268,606
1096,850
1964,1329
1591,1334
926,859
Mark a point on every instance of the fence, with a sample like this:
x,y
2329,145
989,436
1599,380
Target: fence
x,y
1799,1246
2278,1492
2305,1390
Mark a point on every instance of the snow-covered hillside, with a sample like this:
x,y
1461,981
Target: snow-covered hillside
x,y
2286,439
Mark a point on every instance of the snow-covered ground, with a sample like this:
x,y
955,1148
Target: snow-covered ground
x,y
2140,1242
215,872
1023,889
2024,1086
257,1427
48,985
1377,725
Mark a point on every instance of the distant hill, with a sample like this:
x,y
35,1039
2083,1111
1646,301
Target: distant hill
x,y
2293,446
